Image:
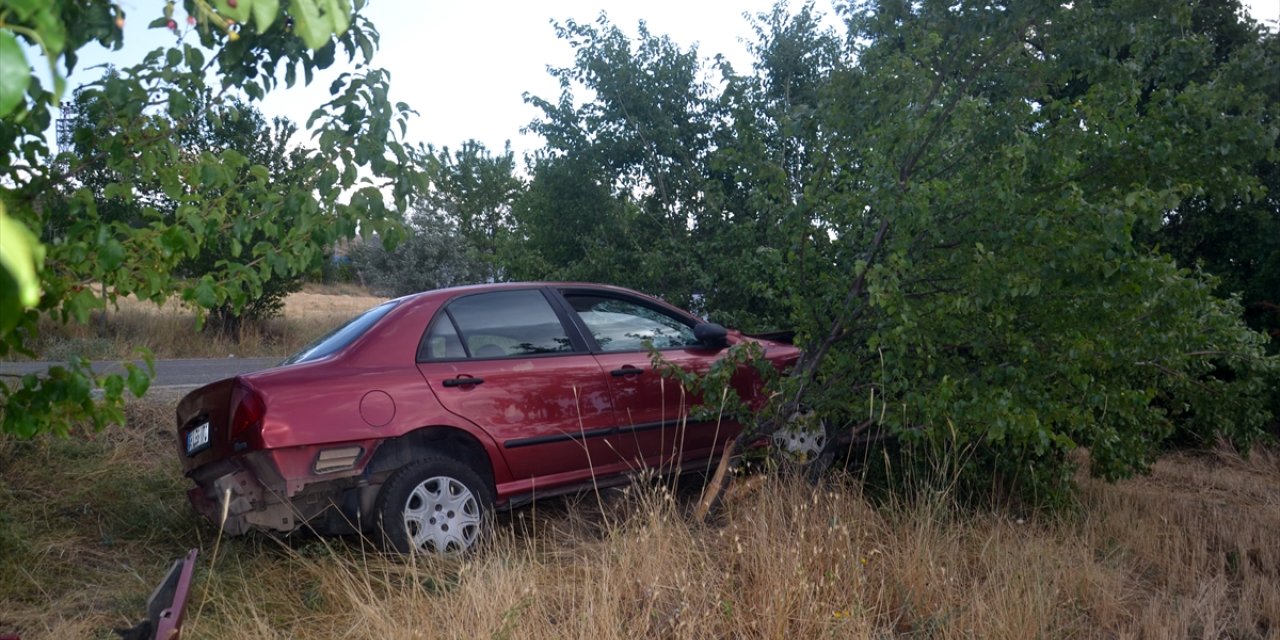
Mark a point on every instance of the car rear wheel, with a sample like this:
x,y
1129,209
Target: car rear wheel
x,y
434,505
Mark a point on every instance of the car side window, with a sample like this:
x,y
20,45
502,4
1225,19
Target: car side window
x,y
506,323
622,325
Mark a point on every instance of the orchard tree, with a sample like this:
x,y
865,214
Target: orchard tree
x,y
660,183
569,225
986,283
757,214
265,144
642,142
952,205
229,124
458,228
471,191
362,172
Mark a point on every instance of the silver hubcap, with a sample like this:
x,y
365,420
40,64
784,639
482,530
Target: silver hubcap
x,y
442,516
803,438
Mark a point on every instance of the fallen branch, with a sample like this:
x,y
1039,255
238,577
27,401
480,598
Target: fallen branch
x,y
716,485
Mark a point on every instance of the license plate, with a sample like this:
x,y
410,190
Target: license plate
x,y
198,439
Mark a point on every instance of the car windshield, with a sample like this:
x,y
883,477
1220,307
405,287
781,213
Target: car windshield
x,y
342,336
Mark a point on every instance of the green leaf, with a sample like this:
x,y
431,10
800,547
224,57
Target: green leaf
x,y
309,24
111,254
179,104
195,58
80,303
138,381
15,75
21,256
205,295
172,241
49,23
24,9
113,385
339,14
366,46
264,13
324,55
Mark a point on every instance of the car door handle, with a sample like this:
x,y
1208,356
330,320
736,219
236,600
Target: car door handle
x,y
626,371
463,382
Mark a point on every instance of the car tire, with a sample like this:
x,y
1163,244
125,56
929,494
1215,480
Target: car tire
x,y
435,505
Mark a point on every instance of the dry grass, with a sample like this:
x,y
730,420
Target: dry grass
x,y
169,330
86,526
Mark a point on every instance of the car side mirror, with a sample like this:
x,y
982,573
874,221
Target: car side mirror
x,y
711,335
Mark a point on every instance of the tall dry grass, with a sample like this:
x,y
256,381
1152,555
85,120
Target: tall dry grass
x,y
170,330
1163,557
1189,552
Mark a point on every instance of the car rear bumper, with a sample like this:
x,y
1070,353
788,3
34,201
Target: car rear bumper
x,y
278,490
241,493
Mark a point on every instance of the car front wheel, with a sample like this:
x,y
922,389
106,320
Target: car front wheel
x,y
802,439
434,505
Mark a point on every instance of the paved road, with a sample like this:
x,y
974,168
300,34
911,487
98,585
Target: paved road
x,y
169,373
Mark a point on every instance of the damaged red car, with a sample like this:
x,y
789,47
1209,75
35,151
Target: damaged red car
x,y
415,420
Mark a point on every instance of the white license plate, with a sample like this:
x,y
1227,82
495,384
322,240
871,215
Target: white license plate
x,y
198,438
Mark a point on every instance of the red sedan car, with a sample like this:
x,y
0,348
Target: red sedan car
x,y
416,419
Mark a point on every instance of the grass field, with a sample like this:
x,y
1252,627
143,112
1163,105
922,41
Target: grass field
x,y
169,331
89,524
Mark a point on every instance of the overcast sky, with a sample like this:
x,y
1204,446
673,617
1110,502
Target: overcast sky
x,y
464,65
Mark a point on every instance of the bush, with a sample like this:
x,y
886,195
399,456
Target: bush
x,y
434,255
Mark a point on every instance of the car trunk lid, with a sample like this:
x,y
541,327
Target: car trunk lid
x,y
217,421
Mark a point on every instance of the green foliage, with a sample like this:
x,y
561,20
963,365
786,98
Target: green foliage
x,y
58,28
953,205
12,85
623,174
20,258
226,124
569,226
67,396
170,202
658,165
1004,164
434,254
1237,239
471,190
1235,235
713,392
458,229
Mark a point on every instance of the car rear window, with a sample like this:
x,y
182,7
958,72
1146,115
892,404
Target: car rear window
x,y
339,338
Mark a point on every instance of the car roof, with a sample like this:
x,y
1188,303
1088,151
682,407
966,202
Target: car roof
x,y
452,292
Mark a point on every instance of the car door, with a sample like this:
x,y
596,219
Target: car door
x,y
506,361
651,411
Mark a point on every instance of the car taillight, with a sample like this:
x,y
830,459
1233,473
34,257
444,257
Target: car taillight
x,y
247,411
